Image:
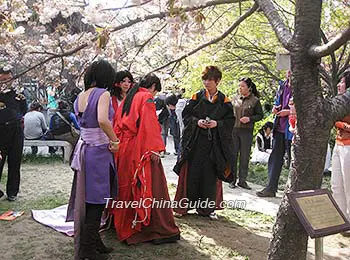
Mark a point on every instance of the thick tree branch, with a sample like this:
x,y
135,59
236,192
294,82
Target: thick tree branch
x,y
216,40
283,33
331,46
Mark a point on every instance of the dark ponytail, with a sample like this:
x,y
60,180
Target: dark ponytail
x,y
146,82
251,86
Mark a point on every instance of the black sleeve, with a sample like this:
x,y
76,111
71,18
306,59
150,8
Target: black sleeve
x,y
188,115
257,113
229,119
23,106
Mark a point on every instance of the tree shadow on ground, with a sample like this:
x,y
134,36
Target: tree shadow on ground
x,y
182,249
224,239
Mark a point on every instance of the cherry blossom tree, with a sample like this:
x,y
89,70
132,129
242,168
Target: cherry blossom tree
x,y
43,39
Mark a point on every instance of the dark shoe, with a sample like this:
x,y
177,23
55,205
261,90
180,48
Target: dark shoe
x,y
11,198
327,173
1,194
232,185
266,193
244,185
101,248
160,241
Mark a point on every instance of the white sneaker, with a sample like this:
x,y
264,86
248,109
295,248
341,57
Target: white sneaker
x,y
177,215
213,216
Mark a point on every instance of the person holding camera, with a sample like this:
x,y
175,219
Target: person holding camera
x,y
248,110
206,152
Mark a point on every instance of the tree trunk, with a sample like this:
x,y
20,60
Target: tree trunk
x,y
313,126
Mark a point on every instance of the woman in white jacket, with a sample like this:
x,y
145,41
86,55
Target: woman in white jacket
x,y
263,144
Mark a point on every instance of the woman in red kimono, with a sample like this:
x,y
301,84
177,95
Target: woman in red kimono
x,y
140,172
123,82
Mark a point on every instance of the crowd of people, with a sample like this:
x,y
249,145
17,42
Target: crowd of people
x,y
119,129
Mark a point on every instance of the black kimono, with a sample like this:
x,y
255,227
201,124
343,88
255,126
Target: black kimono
x,y
206,153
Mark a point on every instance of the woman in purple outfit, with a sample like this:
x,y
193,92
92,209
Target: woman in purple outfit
x,y
93,161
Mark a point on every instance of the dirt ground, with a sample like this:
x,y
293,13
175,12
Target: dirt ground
x,y
237,235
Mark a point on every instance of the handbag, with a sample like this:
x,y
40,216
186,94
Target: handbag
x,y
75,132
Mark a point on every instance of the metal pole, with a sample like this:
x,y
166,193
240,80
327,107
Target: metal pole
x,y
319,248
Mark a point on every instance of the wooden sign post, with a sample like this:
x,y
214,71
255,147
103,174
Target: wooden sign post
x,y
319,214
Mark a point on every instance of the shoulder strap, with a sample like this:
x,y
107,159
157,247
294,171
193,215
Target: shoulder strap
x,y
63,118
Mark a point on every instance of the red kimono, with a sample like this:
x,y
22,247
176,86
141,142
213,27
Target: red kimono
x,y
138,176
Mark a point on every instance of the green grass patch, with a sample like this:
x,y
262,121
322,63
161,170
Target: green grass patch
x,y
40,159
258,174
45,202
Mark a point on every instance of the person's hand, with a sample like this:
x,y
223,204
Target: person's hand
x,y
275,109
283,113
202,124
244,120
114,146
155,157
212,124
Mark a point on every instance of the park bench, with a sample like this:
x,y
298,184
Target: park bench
x,y
67,147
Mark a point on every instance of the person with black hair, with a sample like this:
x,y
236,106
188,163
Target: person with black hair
x,y
206,151
263,144
247,110
140,172
123,82
62,122
93,161
174,127
34,124
12,108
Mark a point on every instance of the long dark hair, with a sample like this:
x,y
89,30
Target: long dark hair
x,y
119,76
346,76
251,86
146,82
99,74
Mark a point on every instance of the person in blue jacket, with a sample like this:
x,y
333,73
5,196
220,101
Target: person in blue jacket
x,y
282,137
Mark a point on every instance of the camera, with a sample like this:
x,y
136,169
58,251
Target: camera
x,y
207,120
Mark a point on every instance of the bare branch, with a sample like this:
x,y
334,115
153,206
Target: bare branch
x,y
68,53
126,7
334,44
216,40
283,33
162,15
334,60
145,43
128,24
